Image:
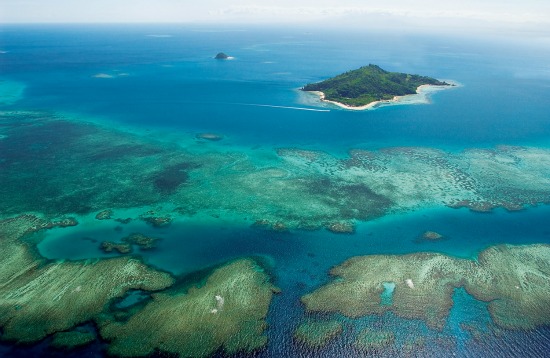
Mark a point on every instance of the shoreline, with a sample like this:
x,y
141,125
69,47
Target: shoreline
x,y
420,97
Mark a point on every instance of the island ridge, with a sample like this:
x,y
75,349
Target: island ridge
x,y
369,85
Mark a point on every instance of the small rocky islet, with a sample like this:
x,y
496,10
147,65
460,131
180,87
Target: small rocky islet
x,y
221,56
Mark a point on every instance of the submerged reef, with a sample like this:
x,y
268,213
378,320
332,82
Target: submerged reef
x,y
10,91
227,312
144,242
316,333
341,228
157,221
104,214
121,248
38,297
514,280
423,287
126,246
72,339
431,236
57,166
210,136
369,340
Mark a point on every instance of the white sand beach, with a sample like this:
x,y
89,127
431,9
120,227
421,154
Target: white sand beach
x,y
422,96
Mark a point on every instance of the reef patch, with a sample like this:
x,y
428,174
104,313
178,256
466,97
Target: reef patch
x,y
514,280
227,312
317,334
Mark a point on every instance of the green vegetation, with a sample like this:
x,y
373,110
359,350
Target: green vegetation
x,y
370,84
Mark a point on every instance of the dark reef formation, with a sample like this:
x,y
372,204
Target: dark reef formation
x,y
121,248
298,188
157,221
341,228
104,214
144,242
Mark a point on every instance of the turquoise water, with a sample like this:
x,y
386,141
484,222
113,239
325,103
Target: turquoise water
x,y
183,250
172,82
171,86
301,260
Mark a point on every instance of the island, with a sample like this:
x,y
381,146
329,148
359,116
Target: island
x,y
221,56
370,86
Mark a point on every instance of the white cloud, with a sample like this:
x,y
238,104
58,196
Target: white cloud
x,y
532,13
289,13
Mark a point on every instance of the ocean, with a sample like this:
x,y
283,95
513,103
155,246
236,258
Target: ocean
x,y
159,85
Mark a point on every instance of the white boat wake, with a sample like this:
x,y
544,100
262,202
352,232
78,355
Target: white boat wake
x,y
284,107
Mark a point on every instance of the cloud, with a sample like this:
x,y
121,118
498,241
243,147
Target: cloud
x,y
291,13
532,13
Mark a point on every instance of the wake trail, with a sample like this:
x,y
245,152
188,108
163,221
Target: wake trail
x,y
283,107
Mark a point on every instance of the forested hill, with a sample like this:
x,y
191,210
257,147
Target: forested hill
x,y
369,84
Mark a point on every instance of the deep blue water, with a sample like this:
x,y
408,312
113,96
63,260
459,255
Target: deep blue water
x,y
173,84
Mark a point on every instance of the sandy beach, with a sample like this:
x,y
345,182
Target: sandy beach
x,y
421,97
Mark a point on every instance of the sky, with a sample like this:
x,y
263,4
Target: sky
x,y
524,14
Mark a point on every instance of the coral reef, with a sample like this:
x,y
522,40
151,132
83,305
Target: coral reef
x,y
316,334
157,221
431,236
38,298
341,228
121,248
59,296
227,312
104,214
72,339
124,221
299,188
144,242
423,287
171,177
369,340
514,280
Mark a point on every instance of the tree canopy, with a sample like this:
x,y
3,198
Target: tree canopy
x,y
369,84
